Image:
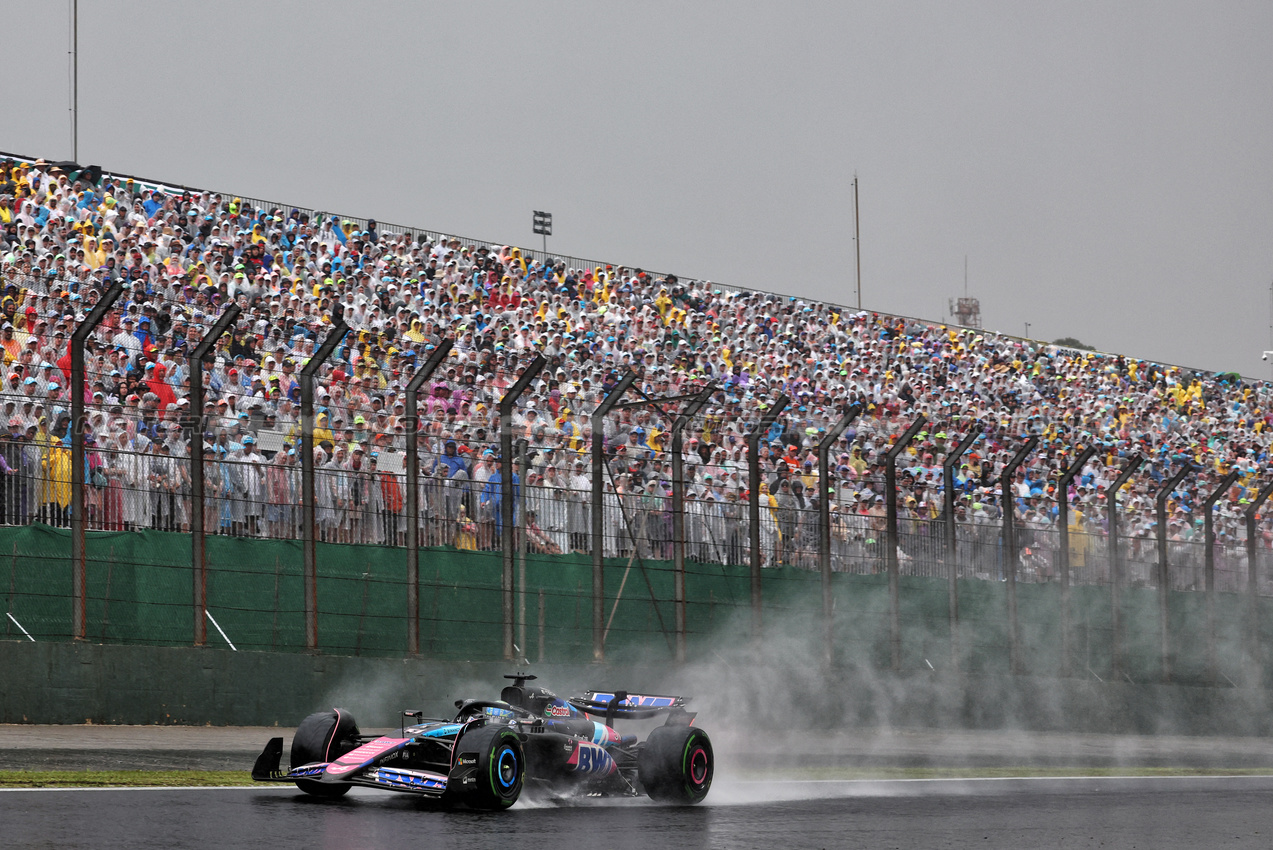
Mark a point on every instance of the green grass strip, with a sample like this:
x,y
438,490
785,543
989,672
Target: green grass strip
x,y
121,778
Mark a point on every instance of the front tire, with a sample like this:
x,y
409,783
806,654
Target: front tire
x,y
329,791
489,769
324,737
676,765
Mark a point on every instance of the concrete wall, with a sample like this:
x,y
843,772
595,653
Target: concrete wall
x,y
78,683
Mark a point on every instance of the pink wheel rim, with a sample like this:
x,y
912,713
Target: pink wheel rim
x,y
698,766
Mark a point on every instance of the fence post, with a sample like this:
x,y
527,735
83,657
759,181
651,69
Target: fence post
x,y
1010,551
308,518
827,488
413,491
890,542
1213,668
523,470
1115,565
1063,551
1164,570
952,555
1253,587
79,561
753,509
198,532
598,512
507,532
678,512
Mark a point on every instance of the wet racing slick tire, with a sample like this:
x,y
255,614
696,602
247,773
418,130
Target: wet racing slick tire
x,y
489,769
676,765
324,737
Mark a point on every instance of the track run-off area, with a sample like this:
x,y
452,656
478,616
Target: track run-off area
x,y
1150,812
771,791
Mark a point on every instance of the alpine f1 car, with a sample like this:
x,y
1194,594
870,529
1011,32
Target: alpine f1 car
x,y
493,749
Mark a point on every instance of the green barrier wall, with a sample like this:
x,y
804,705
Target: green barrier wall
x,y
140,592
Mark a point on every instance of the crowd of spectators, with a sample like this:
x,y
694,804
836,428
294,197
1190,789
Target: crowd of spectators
x,y
184,255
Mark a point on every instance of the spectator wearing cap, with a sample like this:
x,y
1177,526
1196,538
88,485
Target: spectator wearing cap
x,y
127,338
156,383
449,460
11,344
56,472
578,517
389,503
252,477
43,376
333,490
164,478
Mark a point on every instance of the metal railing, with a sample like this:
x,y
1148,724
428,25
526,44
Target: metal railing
x,y
362,500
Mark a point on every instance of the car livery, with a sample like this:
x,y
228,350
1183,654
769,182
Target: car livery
x,y
637,700
590,758
606,735
364,755
492,749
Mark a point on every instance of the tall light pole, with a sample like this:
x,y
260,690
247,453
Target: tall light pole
x,y
1267,354
75,81
857,239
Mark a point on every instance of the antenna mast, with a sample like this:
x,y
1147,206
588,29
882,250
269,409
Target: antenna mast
x,y
75,81
967,310
857,239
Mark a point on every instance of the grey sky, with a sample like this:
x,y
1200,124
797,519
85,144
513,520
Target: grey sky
x,y
1106,167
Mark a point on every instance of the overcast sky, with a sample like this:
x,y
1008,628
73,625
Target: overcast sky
x,y
1107,168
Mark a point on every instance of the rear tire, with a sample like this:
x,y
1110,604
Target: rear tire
x,y
324,737
676,765
489,769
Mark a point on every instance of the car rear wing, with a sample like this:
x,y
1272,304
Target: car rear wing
x,y
623,705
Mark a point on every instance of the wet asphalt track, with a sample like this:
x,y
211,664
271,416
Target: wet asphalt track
x,y
1163,814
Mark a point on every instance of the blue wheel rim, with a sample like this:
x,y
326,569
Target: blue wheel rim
x,y
506,767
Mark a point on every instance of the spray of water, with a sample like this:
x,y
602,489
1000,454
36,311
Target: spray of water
x,y
783,721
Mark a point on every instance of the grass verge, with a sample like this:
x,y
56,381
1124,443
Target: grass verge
x,y
121,778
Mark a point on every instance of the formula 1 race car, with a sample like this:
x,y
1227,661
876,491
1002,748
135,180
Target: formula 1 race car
x,y
492,749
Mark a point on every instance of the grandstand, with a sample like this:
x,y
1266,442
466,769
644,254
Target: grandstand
x,y
185,256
